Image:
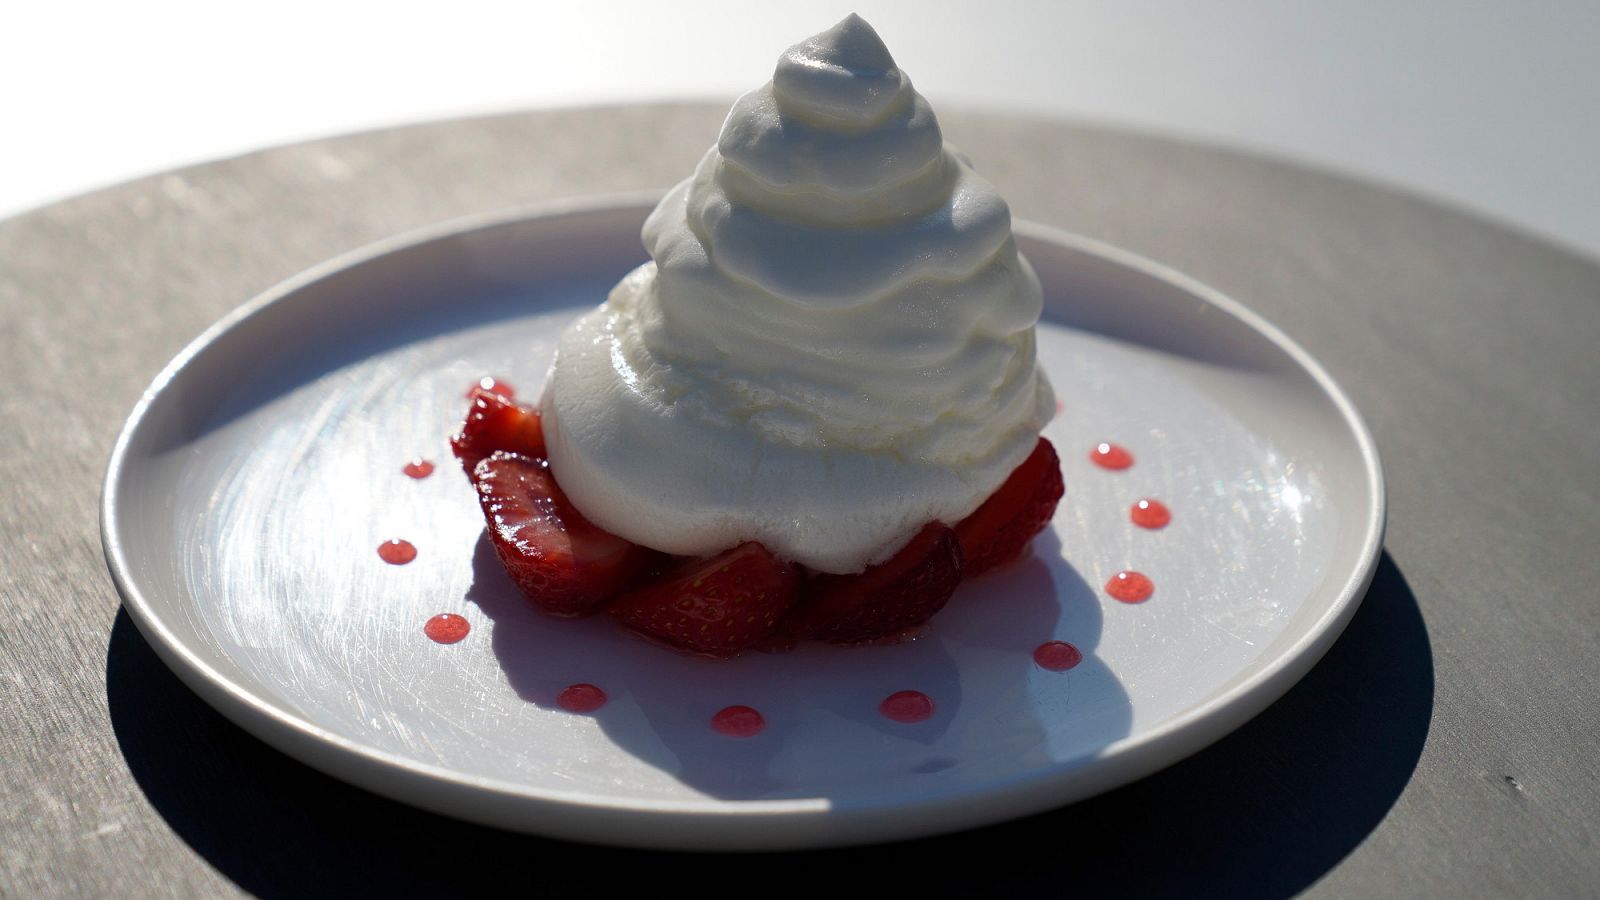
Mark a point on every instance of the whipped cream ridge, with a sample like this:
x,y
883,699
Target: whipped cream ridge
x,y
833,343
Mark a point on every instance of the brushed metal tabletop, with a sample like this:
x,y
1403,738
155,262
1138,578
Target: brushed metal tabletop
x,y
1446,746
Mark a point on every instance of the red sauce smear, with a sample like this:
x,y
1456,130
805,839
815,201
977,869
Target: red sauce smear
x,y
446,628
738,722
1130,587
494,386
418,468
1057,656
397,552
581,698
1149,513
1110,456
907,706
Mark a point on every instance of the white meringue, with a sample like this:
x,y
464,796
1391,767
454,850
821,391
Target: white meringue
x,y
833,344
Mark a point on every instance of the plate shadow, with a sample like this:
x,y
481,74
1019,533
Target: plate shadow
x,y
1265,811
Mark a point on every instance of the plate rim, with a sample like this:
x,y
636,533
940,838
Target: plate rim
x,y
584,816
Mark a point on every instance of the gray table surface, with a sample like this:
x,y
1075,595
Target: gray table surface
x,y
1446,746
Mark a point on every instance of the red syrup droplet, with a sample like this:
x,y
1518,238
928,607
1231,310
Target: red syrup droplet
x,y
738,721
1057,656
581,698
1060,408
446,628
1130,587
907,706
397,552
494,386
1110,456
418,468
1149,513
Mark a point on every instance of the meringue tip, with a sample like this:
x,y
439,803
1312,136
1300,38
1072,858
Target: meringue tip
x,y
852,44
843,77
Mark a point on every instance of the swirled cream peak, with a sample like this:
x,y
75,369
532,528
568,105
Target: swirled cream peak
x,y
832,346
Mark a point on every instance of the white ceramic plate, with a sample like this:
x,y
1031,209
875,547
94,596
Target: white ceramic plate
x,y
249,491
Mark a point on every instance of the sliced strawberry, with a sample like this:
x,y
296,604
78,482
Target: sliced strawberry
x,y
561,562
999,530
719,606
496,422
890,597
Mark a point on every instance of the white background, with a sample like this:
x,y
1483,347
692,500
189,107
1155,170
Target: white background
x,y
1495,107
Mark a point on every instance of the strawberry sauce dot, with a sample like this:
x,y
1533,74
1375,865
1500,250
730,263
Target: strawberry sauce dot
x,y
418,468
1130,587
907,706
1151,514
1057,656
1110,456
494,386
446,628
581,698
738,722
397,552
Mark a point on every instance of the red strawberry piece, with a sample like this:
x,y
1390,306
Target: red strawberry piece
x,y
719,606
496,422
1000,529
888,598
563,564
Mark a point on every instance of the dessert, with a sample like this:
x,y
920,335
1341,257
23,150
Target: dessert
x,y
814,411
